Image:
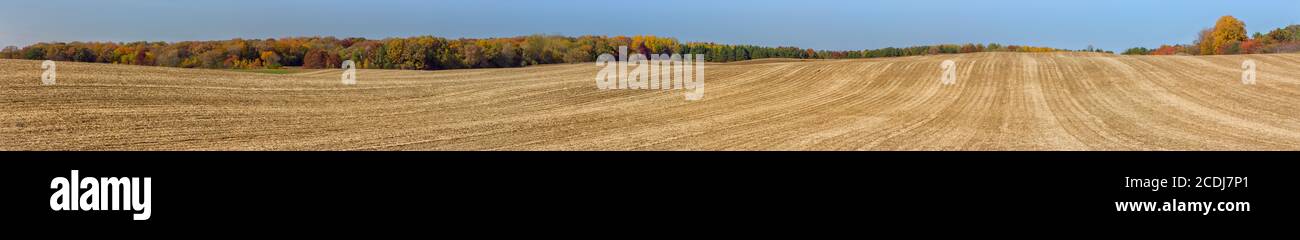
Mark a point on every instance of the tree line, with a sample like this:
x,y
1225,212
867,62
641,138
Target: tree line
x,y
1228,36
436,53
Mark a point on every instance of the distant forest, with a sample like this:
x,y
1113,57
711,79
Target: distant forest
x,y
1228,36
435,53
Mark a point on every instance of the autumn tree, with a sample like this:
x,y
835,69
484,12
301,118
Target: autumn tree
x,y
9,52
968,48
270,59
332,60
213,59
1250,46
314,59
1165,50
142,57
169,57
1287,34
507,56
1205,42
473,55
579,53
1228,32
433,53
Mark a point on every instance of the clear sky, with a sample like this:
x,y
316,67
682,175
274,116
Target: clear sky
x,y
821,24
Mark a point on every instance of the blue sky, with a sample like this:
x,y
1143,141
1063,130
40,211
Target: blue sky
x,y
821,24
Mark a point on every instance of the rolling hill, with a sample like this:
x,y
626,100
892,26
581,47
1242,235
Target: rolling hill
x,y
1001,101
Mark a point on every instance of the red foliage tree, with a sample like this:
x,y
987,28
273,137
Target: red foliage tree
x,y
1165,50
1250,46
315,59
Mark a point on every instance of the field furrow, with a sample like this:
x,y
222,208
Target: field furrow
x,y
1001,101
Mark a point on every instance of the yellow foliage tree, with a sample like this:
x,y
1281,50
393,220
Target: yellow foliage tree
x,y
656,44
1205,42
268,59
1226,31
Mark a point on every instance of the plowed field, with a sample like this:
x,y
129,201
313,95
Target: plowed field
x,y
1001,101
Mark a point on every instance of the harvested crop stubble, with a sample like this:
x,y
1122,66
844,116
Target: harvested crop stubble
x,y
1001,101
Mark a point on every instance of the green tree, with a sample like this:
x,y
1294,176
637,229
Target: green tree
x,y
1137,51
